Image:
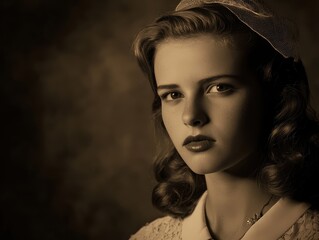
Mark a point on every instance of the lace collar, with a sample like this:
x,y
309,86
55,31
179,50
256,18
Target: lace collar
x,y
279,219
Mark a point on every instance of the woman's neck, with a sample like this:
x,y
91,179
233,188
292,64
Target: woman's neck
x,y
231,201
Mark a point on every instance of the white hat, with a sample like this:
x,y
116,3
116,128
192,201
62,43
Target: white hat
x,y
279,32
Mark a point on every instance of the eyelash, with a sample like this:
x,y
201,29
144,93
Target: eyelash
x,y
167,94
228,88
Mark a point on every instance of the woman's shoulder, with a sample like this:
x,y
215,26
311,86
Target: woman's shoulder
x,y
306,227
160,229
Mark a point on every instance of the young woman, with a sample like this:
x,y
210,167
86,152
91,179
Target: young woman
x,y
238,141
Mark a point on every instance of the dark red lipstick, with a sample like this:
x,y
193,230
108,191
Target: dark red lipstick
x,y
199,143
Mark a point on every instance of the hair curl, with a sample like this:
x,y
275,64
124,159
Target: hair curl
x,y
290,143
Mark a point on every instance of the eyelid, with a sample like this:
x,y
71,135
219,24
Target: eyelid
x,y
163,91
165,94
230,87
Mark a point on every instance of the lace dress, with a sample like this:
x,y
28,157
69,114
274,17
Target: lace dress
x,y
168,228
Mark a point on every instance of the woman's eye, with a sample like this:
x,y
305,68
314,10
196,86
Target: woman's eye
x,y
170,96
220,88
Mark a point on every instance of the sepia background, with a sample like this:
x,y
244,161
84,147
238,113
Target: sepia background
x,y
76,132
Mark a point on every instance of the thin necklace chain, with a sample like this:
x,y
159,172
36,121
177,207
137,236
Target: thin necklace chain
x,y
257,216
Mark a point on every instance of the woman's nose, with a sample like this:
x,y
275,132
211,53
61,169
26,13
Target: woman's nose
x,y
194,114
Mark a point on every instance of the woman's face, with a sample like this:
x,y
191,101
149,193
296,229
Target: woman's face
x,y
211,103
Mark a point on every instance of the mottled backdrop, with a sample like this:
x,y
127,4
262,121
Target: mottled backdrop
x,y
76,132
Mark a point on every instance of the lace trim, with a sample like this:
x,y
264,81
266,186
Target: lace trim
x,y
168,228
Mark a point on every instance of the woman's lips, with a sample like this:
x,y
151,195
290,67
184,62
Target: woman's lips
x,y
198,143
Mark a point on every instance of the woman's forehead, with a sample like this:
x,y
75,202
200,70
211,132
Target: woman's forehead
x,y
240,41
197,58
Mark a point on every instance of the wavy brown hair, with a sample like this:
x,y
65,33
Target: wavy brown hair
x,y
290,135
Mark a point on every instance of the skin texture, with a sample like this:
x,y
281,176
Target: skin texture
x,y
206,88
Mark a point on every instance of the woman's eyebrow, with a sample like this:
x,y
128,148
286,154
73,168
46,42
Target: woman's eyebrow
x,y
201,81
217,77
167,86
